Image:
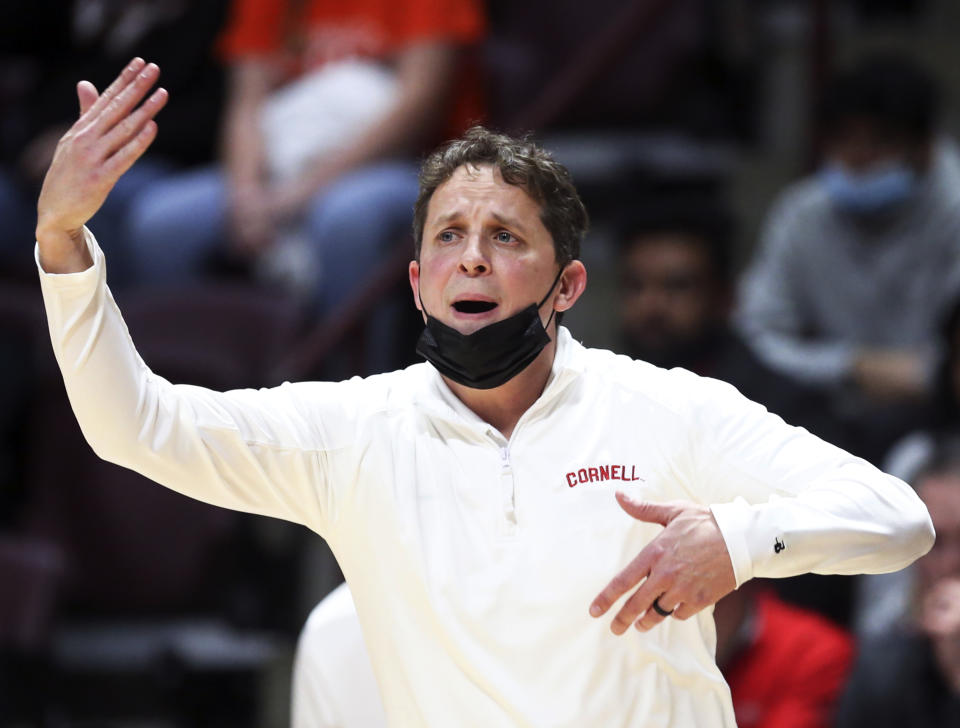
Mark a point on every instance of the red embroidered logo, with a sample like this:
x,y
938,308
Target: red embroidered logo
x,y
602,473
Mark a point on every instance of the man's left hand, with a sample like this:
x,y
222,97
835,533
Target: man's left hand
x,y
685,568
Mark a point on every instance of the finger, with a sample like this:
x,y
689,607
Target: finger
x,y
119,83
125,101
668,600
129,153
638,603
627,579
131,126
684,610
86,95
661,513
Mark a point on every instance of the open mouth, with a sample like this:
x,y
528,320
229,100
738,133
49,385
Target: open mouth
x,y
474,306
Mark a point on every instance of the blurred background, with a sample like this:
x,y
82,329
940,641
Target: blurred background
x,y
774,190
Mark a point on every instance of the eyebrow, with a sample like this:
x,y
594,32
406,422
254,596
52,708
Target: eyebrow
x,y
509,222
504,220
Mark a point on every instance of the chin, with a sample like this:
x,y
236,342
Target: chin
x,y
468,327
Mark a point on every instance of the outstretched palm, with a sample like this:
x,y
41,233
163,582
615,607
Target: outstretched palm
x,y
110,135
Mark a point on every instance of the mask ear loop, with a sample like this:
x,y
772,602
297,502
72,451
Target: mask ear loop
x,y
544,300
420,298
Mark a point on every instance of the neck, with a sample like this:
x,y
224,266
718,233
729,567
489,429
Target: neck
x,y
503,406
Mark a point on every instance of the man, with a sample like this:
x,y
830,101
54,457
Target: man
x,y
675,297
470,500
858,261
674,287
910,676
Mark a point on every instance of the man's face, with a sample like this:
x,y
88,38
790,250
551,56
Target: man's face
x,y
941,494
485,253
669,297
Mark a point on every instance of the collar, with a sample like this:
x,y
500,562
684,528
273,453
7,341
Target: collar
x,y
439,400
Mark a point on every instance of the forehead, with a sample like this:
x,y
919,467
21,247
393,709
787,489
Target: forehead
x,y
864,130
473,189
668,248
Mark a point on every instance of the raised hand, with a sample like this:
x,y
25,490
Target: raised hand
x,y
685,568
110,135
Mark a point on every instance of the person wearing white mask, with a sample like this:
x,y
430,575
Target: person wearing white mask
x,y
858,260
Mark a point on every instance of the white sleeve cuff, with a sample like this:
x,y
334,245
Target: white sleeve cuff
x,y
80,277
733,520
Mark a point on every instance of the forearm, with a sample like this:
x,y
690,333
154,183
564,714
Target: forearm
x,y
858,521
243,450
242,143
788,503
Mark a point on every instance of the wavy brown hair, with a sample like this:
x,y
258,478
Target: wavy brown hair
x,y
521,162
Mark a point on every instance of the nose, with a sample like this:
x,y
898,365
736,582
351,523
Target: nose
x,y
473,257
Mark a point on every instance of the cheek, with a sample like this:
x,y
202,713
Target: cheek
x,y
690,309
434,273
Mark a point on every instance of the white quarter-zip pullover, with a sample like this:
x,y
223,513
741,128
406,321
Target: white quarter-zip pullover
x,y
473,559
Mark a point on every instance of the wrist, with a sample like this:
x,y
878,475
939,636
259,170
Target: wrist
x,y
62,250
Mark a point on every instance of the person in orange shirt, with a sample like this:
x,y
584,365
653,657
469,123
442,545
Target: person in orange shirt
x,y
328,104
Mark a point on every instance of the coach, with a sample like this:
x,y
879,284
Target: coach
x,y
444,489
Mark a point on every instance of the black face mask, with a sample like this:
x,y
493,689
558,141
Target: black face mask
x,y
489,356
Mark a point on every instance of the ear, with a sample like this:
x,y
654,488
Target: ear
x,y
572,284
413,271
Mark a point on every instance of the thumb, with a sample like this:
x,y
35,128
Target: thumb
x,y
86,94
646,511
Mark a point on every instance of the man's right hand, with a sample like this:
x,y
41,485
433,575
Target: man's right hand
x,y
110,135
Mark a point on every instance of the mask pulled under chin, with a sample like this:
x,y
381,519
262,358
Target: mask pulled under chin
x,y
490,356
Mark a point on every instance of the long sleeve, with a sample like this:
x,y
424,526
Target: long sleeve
x,y
772,313
265,451
787,502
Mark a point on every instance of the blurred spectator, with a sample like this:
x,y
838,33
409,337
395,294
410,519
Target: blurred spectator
x,y
46,47
328,103
858,261
333,681
906,457
675,302
883,600
786,667
910,676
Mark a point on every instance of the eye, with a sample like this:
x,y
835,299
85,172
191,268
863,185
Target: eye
x,y
447,236
505,237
